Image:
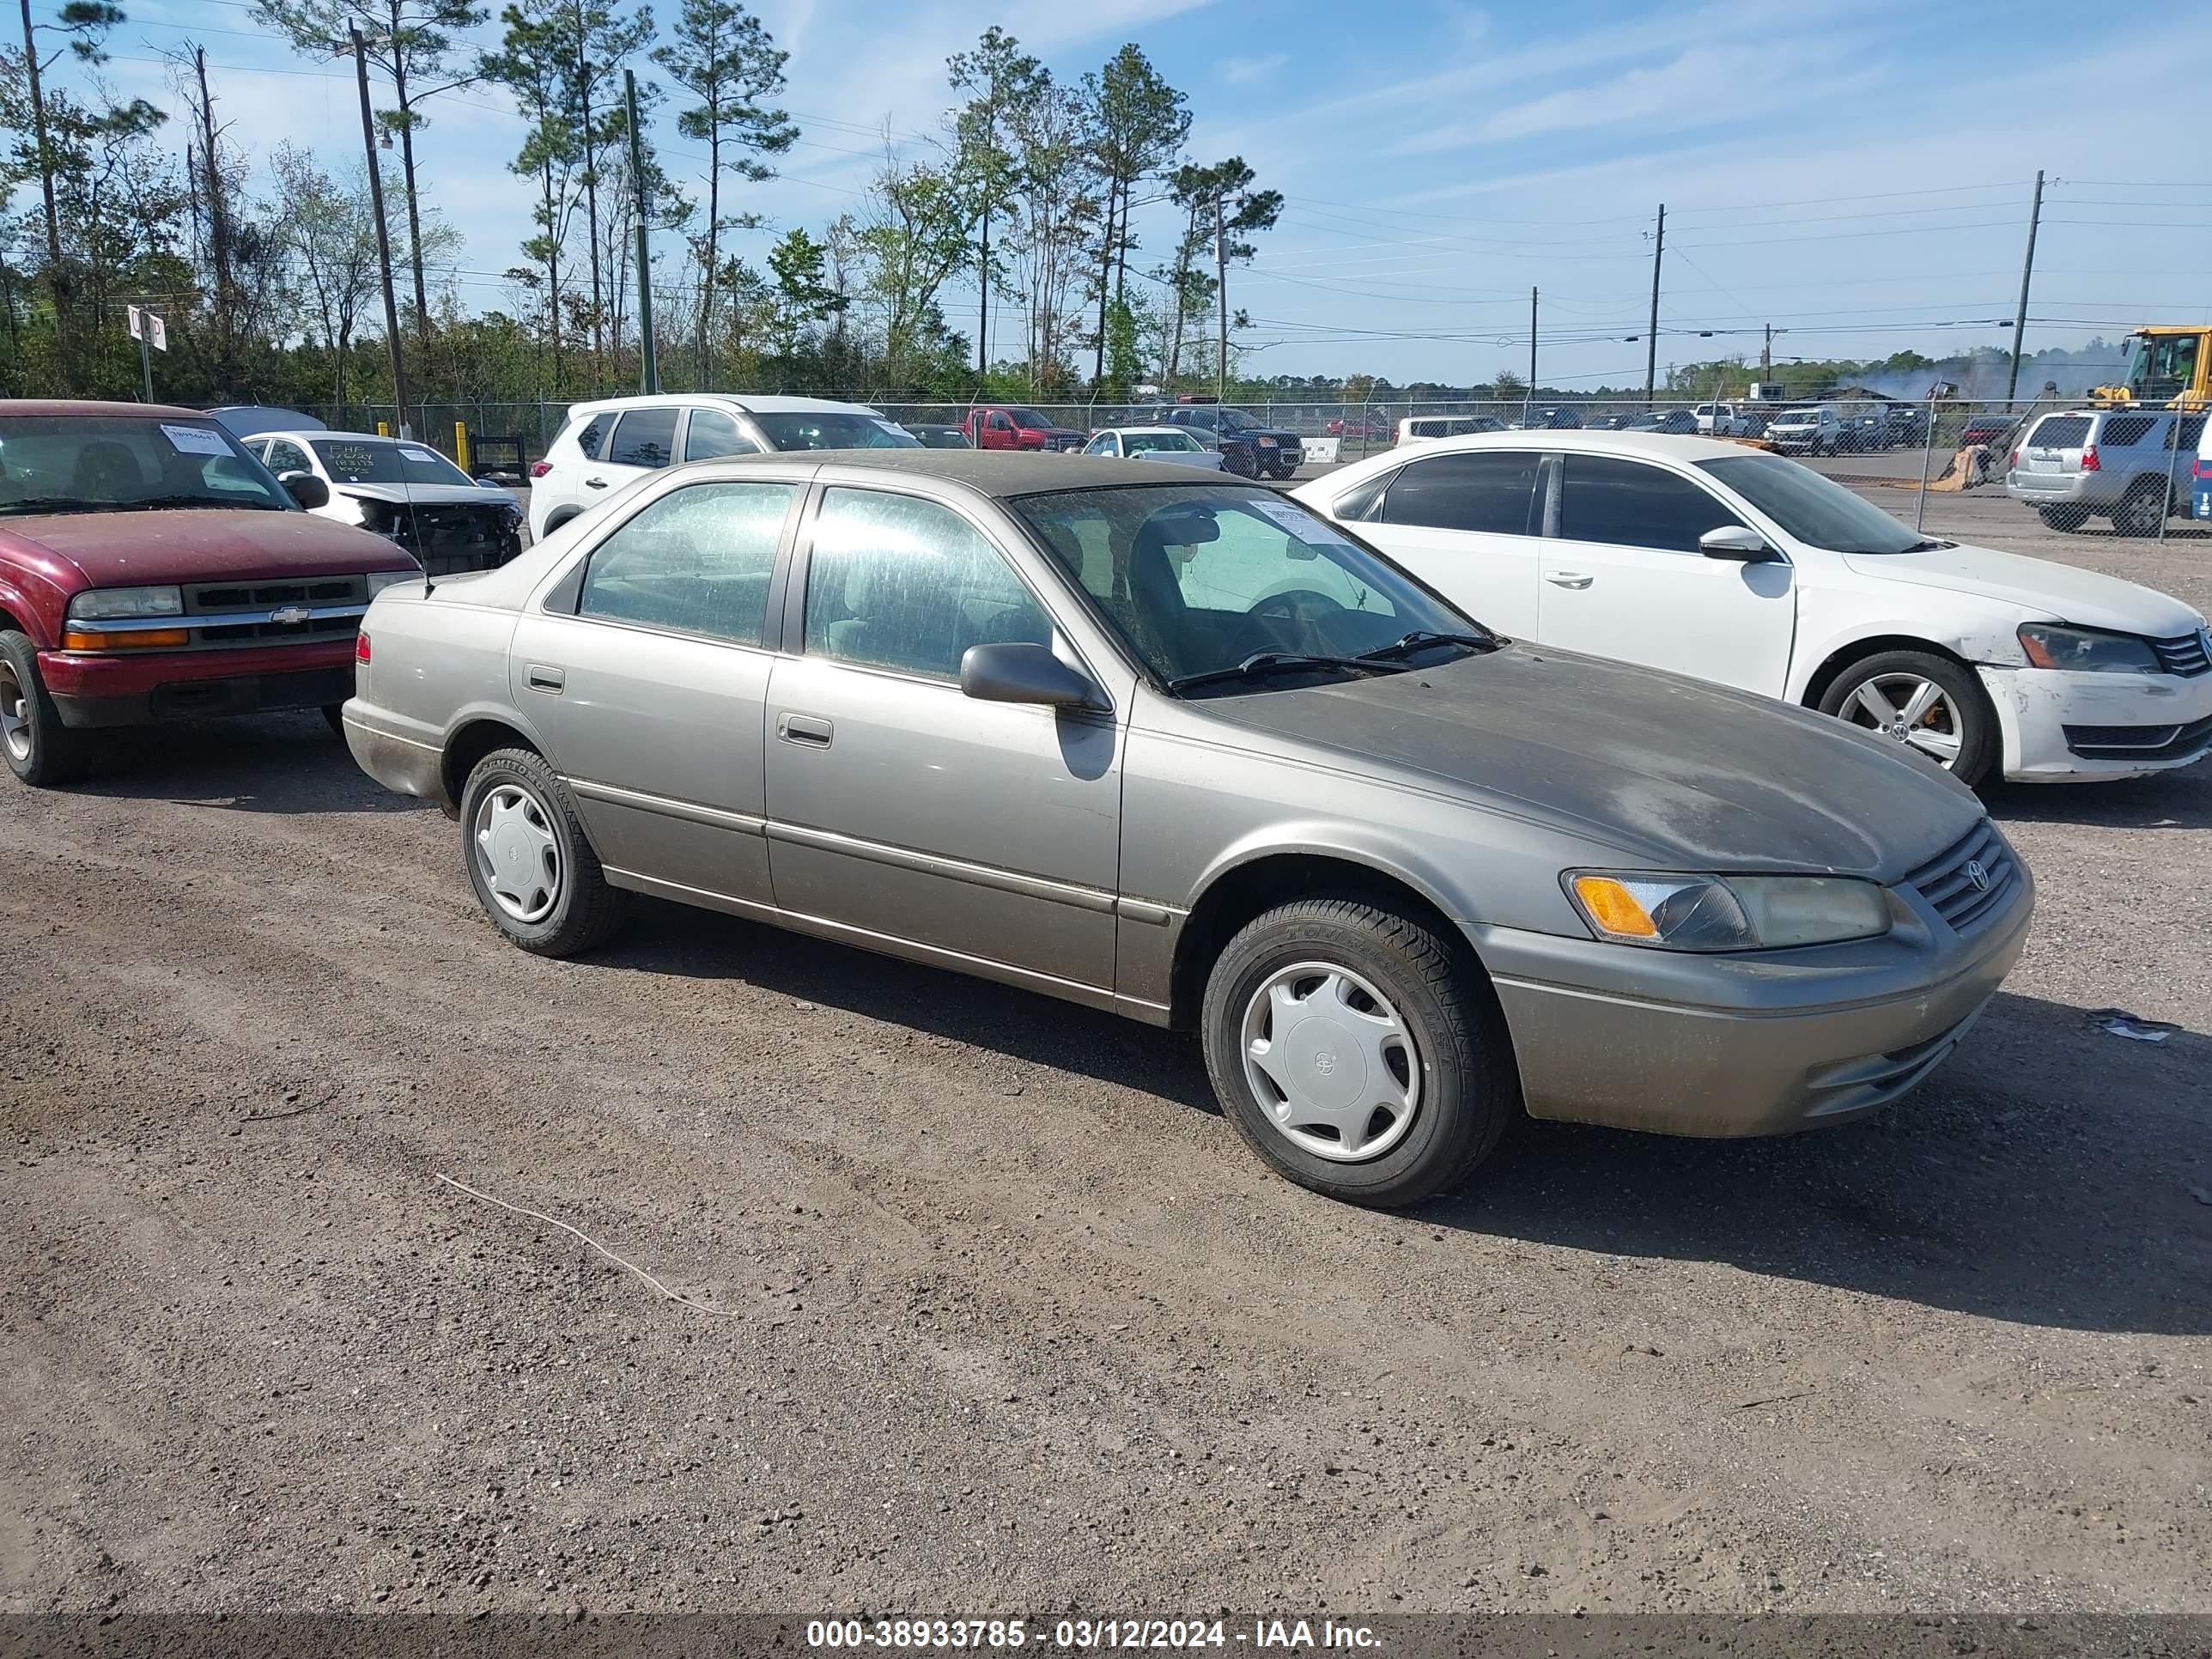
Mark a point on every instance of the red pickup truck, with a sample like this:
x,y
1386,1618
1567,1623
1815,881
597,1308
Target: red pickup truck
x,y
151,569
1011,426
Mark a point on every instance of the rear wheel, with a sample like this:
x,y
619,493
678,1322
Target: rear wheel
x,y
2141,509
1242,462
532,869
2067,519
38,748
335,714
1927,702
1358,1051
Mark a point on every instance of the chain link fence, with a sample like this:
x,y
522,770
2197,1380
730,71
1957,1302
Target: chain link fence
x,y
1975,470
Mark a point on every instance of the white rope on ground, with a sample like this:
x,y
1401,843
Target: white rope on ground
x,y
539,1215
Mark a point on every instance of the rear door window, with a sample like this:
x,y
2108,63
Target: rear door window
x,y
1489,493
1628,504
645,437
697,561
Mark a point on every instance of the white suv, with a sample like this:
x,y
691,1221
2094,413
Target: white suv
x,y
614,441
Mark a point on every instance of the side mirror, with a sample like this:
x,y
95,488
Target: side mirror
x,y
1737,542
489,482
1025,672
306,489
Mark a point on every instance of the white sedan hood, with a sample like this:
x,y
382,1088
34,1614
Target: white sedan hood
x,y
2056,592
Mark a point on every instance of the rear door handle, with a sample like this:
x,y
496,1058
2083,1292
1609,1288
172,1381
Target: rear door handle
x,y
805,728
595,484
1569,578
541,678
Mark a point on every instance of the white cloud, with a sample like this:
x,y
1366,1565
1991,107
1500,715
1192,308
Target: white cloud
x,y
1242,71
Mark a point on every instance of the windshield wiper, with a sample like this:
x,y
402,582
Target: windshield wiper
x,y
1406,644
153,503
1262,663
56,504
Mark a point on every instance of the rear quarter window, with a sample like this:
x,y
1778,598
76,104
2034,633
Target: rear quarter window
x,y
593,434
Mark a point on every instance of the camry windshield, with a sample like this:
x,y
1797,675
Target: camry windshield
x,y
385,460
1814,507
834,430
118,463
1238,581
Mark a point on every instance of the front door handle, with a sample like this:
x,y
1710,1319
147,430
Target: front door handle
x,y
1570,578
595,484
540,677
806,729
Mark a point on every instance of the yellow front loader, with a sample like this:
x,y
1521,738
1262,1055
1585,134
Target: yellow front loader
x,y
2170,364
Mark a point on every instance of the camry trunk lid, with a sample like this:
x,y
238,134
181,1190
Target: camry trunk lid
x,y
1679,773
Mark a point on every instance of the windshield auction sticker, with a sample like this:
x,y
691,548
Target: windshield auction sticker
x,y
194,440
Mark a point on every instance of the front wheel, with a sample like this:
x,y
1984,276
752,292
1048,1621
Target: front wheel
x,y
38,748
1359,1052
534,870
1927,702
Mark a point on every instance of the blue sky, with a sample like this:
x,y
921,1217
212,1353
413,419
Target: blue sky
x,y
1857,175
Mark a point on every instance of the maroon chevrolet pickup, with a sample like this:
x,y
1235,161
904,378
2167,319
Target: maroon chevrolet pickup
x,y
151,569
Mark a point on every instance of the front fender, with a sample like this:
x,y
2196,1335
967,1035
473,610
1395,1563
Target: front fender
x,y
1371,846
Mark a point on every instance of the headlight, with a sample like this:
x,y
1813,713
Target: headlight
x,y
2054,645
106,603
1733,912
380,580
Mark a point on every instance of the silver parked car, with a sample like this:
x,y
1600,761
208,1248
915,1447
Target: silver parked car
x,y
1179,748
2120,464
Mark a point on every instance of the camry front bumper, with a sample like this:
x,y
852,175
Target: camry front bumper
x,y
1751,1045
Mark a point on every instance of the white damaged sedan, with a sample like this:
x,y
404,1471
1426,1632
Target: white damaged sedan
x,y
1746,569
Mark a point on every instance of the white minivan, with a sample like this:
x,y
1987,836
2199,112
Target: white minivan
x,y
1729,564
614,441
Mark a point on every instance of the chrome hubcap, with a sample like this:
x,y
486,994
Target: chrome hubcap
x,y
1331,1062
15,714
1910,710
517,854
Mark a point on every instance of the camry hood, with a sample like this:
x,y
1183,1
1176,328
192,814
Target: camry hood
x,y
194,544
1675,772
2056,592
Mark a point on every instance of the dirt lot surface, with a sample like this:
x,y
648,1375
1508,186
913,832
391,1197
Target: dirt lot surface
x,y
1005,1315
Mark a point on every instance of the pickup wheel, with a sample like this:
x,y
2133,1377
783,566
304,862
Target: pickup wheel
x,y
38,748
1244,464
1360,1052
1925,702
528,860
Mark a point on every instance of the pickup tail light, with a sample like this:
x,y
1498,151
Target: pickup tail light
x,y
2089,462
361,646
539,469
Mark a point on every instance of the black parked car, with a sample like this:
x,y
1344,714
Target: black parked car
x,y
1247,446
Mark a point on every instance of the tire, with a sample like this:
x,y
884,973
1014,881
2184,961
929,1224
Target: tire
x,y
1242,465
335,714
38,748
2138,514
2066,519
1964,713
512,807
1451,1061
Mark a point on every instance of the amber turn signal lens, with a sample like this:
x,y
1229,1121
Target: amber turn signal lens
x,y
1613,908
74,638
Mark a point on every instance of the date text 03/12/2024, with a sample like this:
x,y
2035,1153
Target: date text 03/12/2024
x,y
1084,1634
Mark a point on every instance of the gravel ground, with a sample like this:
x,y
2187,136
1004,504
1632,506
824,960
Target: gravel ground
x,y
1003,1316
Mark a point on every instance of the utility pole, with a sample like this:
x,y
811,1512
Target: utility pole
x,y
383,240
1766,355
1528,392
57,282
226,287
2027,272
649,367
1221,294
1651,346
